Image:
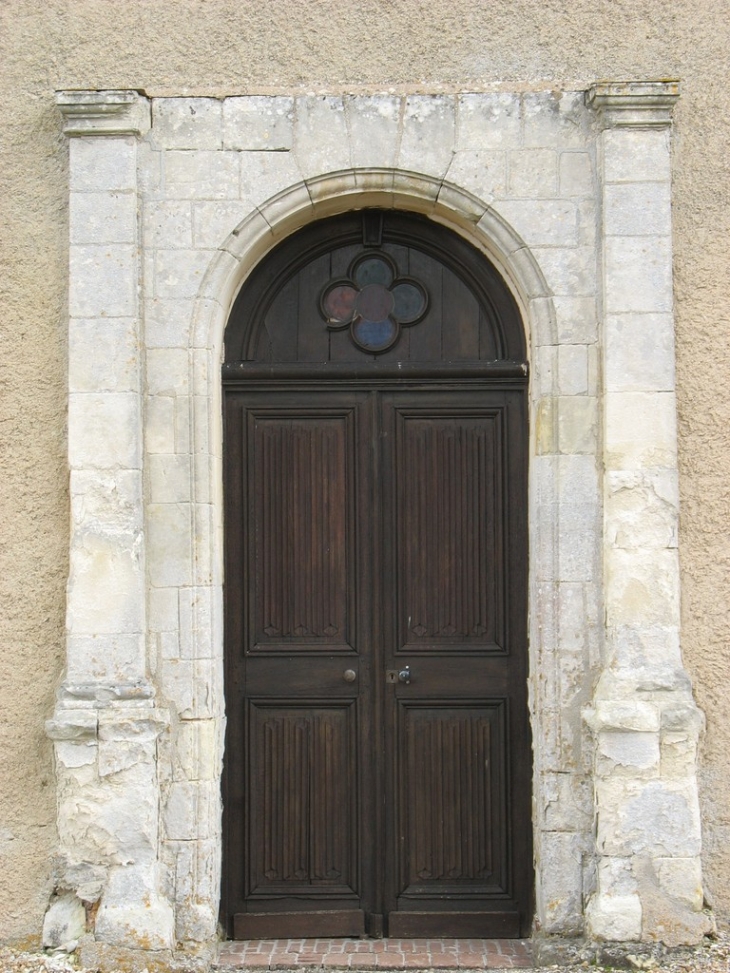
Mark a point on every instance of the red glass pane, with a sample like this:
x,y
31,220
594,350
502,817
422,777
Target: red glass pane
x,y
339,303
374,302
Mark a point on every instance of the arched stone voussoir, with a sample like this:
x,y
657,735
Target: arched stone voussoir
x,y
337,192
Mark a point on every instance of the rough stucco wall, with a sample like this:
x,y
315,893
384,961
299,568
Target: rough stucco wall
x,y
241,46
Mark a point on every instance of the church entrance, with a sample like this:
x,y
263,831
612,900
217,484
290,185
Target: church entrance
x,y
378,758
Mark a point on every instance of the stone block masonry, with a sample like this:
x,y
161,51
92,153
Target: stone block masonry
x,y
173,201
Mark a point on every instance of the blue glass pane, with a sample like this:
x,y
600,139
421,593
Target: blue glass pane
x,y
374,335
373,270
410,302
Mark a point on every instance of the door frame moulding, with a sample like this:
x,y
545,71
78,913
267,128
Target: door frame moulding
x,y
139,720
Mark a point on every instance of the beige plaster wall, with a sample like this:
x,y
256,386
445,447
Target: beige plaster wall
x,y
240,46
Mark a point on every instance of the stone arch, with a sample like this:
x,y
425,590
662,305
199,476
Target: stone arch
x,y
249,243
336,193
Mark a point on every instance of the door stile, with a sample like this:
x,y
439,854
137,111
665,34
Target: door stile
x,y
376,851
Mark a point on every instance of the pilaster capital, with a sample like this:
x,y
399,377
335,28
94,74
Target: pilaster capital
x,y
641,104
104,112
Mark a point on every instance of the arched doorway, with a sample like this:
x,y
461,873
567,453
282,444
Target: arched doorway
x,y
378,758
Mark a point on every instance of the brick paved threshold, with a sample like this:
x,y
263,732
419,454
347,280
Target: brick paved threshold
x,y
376,954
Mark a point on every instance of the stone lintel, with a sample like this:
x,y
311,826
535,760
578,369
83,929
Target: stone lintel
x,y
642,104
104,112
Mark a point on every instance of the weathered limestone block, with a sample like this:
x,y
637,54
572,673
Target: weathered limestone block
x,y
641,509
671,912
576,320
489,121
576,174
107,577
560,887
657,818
105,666
573,370
638,273
427,139
194,870
169,477
214,221
104,430
64,923
533,173
480,171
106,500
570,272
201,174
568,802
108,819
258,123
637,156
639,352
96,218
643,587
650,653
167,223
543,222
614,918
321,141
627,753
98,165
554,118
168,544
577,424
111,341
374,127
103,280
133,914
191,809
186,123
166,323
638,208
198,751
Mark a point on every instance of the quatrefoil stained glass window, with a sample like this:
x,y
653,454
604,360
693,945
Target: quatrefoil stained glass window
x,y
374,302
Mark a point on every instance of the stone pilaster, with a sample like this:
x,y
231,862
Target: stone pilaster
x,y
106,725
643,716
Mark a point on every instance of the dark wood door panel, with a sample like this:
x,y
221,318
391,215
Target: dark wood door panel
x,y
303,799
447,477
452,770
302,549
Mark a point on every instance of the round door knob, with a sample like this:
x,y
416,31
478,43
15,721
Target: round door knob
x,y
349,675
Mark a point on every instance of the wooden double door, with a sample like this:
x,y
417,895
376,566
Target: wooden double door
x,y
378,757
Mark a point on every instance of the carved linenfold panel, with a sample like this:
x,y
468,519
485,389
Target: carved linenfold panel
x,y
303,796
300,521
452,825
449,506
